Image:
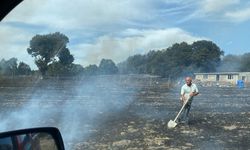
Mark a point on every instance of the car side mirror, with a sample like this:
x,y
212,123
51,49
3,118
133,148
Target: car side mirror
x,y
47,138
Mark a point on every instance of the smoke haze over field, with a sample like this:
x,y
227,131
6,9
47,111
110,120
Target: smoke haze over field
x,y
122,112
72,106
235,63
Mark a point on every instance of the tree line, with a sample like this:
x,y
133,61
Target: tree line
x,y
176,60
12,68
53,58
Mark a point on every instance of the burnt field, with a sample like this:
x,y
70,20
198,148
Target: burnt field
x,y
126,112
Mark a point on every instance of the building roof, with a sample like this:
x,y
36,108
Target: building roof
x,y
219,73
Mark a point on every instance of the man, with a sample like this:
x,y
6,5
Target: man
x,y
188,91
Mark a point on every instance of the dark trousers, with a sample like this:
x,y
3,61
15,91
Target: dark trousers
x,y
185,112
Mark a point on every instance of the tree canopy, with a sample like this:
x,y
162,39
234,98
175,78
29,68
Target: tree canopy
x,y
12,68
45,47
107,66
65,57
91,70
23,69
180,58
52,57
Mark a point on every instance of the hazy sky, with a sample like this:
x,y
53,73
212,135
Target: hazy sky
x,y
117,29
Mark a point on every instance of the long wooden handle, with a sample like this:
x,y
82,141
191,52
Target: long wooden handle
x,y
181,110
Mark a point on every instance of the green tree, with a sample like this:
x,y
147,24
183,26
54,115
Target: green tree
x,y
65,57
176,60
206,56
9,67
76,69
45,47
3,66
23,69
135,64
58,69
155,63
91,70
107,66
12,66
55,69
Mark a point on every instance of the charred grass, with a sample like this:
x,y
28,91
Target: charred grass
x,y
219,119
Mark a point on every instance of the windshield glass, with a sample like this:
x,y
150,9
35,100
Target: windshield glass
x,y
114,74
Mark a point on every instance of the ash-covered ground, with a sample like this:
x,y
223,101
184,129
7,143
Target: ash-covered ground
x,y
127,112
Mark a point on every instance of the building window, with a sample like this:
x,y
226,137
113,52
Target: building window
x,y
230,77
205,76
217,77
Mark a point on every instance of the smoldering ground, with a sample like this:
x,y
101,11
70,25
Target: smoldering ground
x,y
124,112
76,107
219,120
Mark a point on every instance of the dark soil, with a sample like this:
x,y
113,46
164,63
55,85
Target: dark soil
x,y
136,112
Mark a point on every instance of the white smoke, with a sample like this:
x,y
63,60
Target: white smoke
x,y
76,107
